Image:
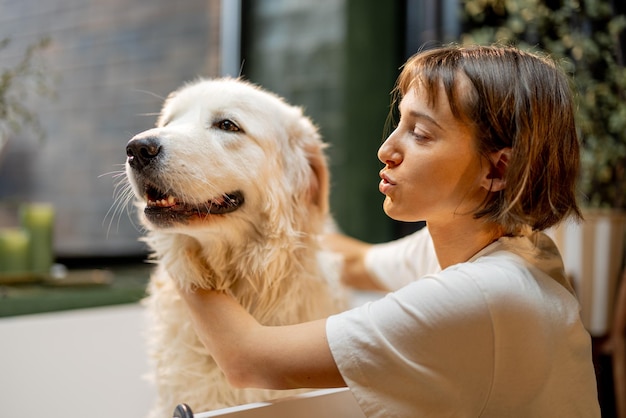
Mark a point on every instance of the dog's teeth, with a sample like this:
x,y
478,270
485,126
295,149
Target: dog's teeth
x,y
164,203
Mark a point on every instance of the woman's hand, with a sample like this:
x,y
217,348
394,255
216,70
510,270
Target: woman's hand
x,y
253,355
353,251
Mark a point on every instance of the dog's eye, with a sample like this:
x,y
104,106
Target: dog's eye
x,y
227,125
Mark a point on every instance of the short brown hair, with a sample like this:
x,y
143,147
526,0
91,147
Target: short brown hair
x,y
514,99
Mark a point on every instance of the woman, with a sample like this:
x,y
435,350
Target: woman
x,y
486,153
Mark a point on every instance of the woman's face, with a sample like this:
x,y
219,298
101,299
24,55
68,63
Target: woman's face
x,y
432,169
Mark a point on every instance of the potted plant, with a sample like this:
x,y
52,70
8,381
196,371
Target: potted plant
x,y
587,38
18,83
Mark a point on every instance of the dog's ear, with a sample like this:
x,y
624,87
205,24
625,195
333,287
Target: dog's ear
x,y
306,137
319,183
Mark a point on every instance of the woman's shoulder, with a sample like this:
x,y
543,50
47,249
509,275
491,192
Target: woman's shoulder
x,y
533,256
524,273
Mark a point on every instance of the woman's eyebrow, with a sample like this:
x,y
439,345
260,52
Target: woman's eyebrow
x,y
419,115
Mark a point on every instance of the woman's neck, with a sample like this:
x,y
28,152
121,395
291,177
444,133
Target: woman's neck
x,y
458,241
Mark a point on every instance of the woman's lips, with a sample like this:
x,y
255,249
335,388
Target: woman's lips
x,y
385,184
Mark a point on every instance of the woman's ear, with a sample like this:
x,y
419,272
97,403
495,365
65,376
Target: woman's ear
x,y
494,178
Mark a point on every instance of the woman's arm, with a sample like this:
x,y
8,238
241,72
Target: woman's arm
x,y
253,355
354,273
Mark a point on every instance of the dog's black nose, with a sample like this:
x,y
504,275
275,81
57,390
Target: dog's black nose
x,y
142,151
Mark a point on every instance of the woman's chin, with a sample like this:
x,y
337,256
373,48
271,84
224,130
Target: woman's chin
x,y
396,213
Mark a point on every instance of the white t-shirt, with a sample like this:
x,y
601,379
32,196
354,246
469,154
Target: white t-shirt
x,y
497,336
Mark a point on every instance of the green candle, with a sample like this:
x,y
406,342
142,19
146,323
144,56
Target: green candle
x,y
14,250
38,220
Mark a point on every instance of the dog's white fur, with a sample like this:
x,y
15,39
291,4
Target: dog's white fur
x,y
265,253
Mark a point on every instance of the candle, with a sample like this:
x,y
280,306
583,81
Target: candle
x,y
14,244
38,220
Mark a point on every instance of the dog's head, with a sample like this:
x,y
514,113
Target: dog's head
x,y
224,149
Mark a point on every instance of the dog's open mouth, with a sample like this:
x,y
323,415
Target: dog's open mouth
x,y
162,207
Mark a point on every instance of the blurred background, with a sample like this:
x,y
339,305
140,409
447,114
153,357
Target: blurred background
x,y
107,66
79,78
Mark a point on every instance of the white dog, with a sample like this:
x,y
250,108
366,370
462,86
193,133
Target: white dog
x,y
233,188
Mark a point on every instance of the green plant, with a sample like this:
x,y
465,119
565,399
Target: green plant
x,y
18,83
586,36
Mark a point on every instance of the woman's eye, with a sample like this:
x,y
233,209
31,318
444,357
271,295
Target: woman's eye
x,y
227,125
419,137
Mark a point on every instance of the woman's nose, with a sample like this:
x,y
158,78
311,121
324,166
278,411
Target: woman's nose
x,y
388,153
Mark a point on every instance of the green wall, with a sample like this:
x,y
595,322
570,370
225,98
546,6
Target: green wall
x,y
372,51
338,59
